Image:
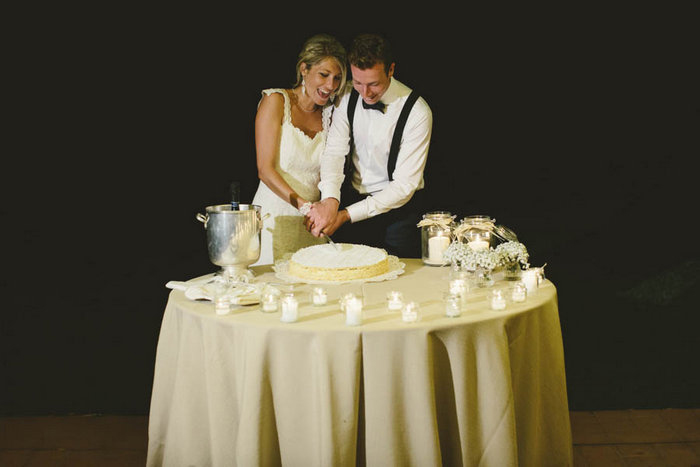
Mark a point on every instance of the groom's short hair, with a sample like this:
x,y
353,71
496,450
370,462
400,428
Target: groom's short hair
x,y
366,50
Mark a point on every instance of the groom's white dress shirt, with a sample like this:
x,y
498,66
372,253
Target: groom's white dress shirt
x,y
373,133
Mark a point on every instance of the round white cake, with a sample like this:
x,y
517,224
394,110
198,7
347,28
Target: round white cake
x,y
347,262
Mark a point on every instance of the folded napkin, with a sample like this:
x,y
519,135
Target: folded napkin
x,y
203,289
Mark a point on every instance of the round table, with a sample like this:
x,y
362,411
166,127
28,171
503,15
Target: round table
x,y
485,388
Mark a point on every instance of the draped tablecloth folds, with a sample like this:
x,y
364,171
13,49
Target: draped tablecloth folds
x,y
486,388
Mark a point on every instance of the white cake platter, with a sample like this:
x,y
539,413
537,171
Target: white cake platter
x,y
396,268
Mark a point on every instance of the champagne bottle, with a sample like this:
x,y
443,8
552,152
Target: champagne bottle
x,y
235,195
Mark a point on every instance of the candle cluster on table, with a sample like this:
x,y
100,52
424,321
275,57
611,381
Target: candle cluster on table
x,y
394,300
353,311
410,312
290,309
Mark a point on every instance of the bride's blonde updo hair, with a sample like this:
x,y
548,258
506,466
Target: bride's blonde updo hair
x,y
318,48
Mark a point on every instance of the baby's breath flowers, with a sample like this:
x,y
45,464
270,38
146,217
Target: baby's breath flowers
x,y
504,254
463,255
512,252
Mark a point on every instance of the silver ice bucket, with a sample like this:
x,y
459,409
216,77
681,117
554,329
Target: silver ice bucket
x,y
233,238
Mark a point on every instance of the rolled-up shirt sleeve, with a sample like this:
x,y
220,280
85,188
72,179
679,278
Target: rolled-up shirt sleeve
x,y
333,157
410,164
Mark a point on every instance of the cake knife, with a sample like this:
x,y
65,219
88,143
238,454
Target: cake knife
x,y
330,240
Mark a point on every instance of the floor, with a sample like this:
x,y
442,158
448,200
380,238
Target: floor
x,y
668,437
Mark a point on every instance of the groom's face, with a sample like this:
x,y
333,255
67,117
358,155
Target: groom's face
x,y
371,83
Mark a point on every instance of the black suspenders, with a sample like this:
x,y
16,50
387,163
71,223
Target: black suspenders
x,y
395,141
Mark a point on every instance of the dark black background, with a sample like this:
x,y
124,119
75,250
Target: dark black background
x,y
580,134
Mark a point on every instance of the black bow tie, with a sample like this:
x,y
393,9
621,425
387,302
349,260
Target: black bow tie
x,y
378,106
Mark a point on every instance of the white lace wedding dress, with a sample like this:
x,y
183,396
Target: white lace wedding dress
x,y
298,162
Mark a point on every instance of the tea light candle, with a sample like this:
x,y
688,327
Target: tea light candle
x,y
221,305
409,314
269,302
394,300
344,300
540,276
436,247
519,292
498,301
530,278
458,286
353,312
453,306
478,245
320,297
290,309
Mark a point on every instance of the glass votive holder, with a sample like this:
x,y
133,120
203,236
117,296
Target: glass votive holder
x,y
394,300
353,311
531,279
409,313
222,305
290,308
457,271
453,305
269,299
519,292
319,296
498,300
218,290
436,228
458,286
344,299
540,276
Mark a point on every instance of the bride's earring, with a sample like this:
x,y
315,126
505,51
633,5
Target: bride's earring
x,y
303,86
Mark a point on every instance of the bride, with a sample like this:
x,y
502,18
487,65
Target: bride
x,y
290,133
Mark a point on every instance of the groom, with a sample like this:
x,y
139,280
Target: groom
x,y
386,140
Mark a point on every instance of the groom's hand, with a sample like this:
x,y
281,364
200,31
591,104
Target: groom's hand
x,y
341,218
321,215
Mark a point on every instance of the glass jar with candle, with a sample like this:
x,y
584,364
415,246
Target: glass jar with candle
x,y
269,299
459,288
353,311
410,312
436,236
533,279
453,304
498,300
477,231
290,308
394,301
519,292
319,296
344,299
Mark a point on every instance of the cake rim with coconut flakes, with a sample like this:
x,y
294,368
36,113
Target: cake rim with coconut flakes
x,y
348,261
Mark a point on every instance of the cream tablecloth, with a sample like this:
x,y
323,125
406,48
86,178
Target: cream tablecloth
x,y
244,389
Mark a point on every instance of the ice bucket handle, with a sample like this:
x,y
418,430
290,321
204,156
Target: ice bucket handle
x,y
261,219
204,219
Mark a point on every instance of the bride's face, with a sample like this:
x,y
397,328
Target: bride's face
x,y
322,80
